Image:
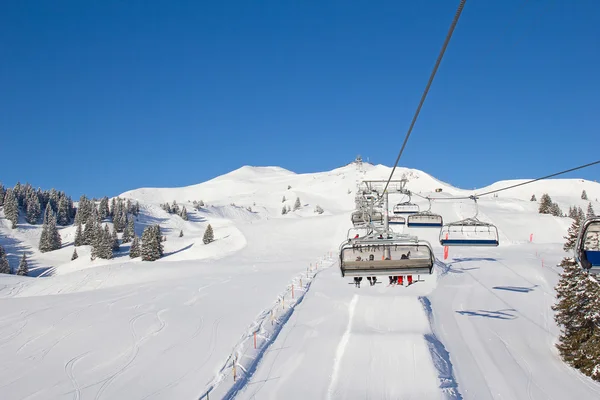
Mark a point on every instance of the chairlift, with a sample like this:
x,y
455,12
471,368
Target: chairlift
x,y
359,231
469,232
396,220
406,207
393,255
587,249
425,219
362,217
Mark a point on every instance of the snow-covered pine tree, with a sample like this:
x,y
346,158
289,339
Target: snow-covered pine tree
x,y
2,193
136,208
159,238
208,235
183,214
590,211
545,204
572,233
201,203
318,209
128,231
297,204
23,269
103,209
78,236
11,208
584,195
115,240
533,198
63,214
134,250
33,208
75,255
50,237
150,249
181,233
572,212
4,266
289,208
555,210
581,214
175,207
89,232
283,199
284,210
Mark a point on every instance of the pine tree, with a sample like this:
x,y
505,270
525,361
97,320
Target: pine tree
x,y
150,249
50,238
533,198
572,233
288,209
33,208
284,210
581,214
11,208
318,209
572,212
23,269
78,236
590,211
63,214
159,238
584,195
103,209
4,266
2,193
545,204
283,199
89,232
175,207
208,235
183,214
75,255
555,210
297,204
115,240
181,233
128,232
134,250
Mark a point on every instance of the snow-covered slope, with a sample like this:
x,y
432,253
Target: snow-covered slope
x,y
480,327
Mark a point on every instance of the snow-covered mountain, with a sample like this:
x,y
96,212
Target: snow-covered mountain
x,y
480,327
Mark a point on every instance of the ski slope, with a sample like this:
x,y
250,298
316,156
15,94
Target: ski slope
x,y
480,327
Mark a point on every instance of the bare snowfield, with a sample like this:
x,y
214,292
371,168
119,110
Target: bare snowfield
x,y
480,327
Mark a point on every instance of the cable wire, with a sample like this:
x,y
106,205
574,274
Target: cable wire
x,y
512,186
435,68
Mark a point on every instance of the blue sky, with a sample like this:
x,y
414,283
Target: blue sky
x,y
103,97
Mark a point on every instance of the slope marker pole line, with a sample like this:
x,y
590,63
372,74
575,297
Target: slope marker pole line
x,y
431,77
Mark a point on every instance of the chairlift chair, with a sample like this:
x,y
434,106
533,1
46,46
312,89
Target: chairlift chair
x,y
587,249
406,208
425,219
470,232
395,254
362,217
396,220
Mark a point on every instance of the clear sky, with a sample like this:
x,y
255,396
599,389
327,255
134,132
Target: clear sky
x,y
99,97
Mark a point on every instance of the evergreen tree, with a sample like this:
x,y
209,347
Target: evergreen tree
x,y
50,238
113,207
2,193
289,209
555,210
175,207
115,240
84,209
183,214
318,209
581,214
4,266
150,249
89,232
573,212
571,238
63,214
23,269
11,208
181,233
129,230
103,210
33,208
545,204
297,204
134,250
533,198
590,211
159,238
75,255
584,195
79,240
208,235
283,199
284,210
137,208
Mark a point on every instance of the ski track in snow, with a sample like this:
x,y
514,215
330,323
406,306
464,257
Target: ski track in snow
x,y
341,349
